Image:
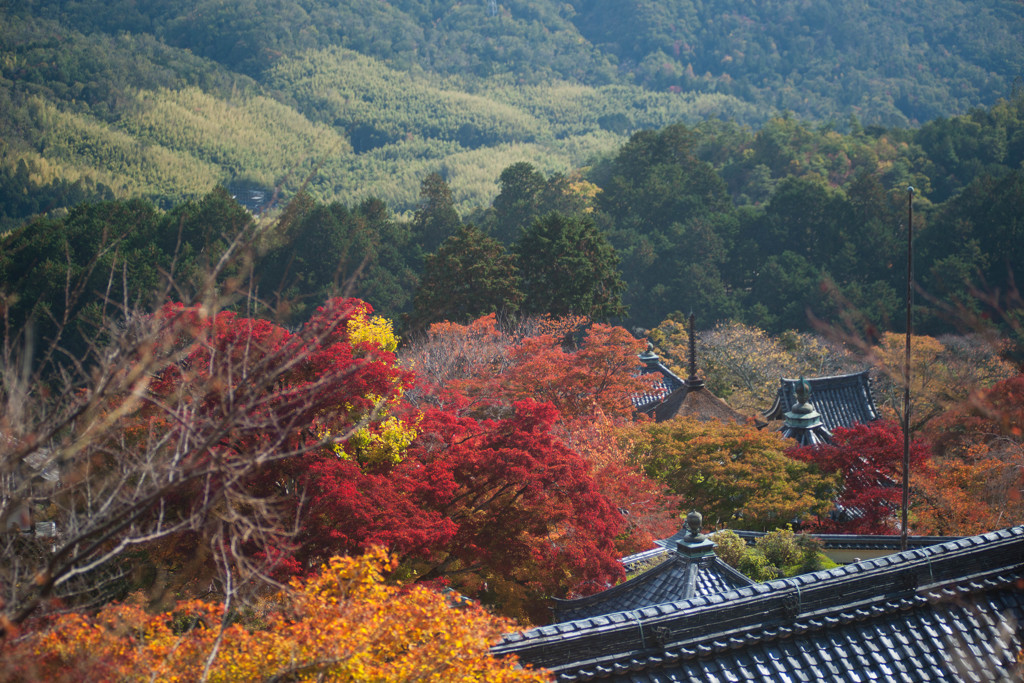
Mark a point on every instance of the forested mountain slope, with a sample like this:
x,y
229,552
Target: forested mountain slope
x,y
717,219
908,61
363,98
890,63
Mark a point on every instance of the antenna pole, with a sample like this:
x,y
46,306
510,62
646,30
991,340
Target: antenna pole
x,y
906,370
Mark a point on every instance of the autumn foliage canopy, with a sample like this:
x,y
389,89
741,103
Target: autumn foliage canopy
x,y
737,475
502,463
498,506
341,623
974,483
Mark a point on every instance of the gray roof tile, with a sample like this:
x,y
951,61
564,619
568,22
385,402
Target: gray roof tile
x,y
667,383
842,400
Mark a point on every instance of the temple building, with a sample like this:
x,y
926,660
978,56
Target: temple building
x,y
682,567
948,612
840,400
675,397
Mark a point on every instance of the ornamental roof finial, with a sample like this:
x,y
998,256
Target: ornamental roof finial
x,y
694,521
803,422
803,391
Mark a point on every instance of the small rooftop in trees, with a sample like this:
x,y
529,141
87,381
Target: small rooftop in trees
x,y
841,400
667,382
803,423
674,397
952,611
688,567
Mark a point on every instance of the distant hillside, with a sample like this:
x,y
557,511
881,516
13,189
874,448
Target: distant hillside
x,y
910,61
164,99
890,63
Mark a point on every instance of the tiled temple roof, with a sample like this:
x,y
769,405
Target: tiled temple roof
x,y
947,612
674,397
690,569
842,400
666,384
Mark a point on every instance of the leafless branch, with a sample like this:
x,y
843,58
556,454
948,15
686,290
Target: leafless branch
x,y
96,466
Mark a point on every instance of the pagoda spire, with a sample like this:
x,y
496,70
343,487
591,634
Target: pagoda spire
x,y
693,381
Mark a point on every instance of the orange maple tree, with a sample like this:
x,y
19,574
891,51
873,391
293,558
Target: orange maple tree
x,y
598,377
542,361
346,623
975,481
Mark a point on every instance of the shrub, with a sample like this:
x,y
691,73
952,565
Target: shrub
x,y
757,567
780,547
730,548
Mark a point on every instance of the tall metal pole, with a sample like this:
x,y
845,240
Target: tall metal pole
x,y
906,369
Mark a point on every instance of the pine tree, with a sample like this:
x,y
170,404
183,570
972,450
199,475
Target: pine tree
x,y
436,219
568,266
516,206
470,275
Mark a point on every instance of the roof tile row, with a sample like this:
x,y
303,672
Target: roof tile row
x,y
950,612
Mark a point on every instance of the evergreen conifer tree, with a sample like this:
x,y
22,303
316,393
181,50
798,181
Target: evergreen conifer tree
x,y
568,266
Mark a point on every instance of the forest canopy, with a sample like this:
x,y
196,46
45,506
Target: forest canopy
x,y
363,99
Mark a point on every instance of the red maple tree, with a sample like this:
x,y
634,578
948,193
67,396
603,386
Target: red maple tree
x,y
245,404
870,460
286,447
499,507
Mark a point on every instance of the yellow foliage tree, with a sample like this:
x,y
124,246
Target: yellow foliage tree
x,y
343,624
736,475
944,371
671,341
744,364
372,329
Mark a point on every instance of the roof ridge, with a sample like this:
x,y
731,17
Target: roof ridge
x,y
845,375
